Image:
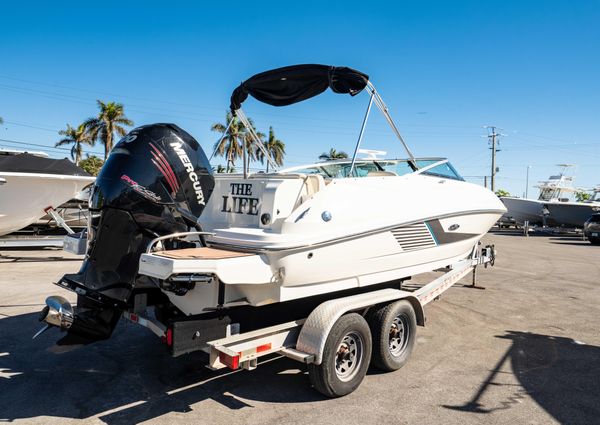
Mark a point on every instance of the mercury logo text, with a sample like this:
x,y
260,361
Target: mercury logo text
x,y
185,160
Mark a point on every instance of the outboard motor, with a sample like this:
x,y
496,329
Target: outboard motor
x,y
156,181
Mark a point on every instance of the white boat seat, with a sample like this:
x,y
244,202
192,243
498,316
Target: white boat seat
x,y
312,184
381,173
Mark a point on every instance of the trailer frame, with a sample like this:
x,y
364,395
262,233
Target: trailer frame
x,y
304,340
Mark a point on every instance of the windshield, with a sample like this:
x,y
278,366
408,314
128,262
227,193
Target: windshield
x,y
549,193
377,167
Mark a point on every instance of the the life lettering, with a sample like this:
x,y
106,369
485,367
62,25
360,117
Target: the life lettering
x,y
240,200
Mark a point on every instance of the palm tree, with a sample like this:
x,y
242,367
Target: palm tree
x,y
108,122
275,148
230,145
333,154
77,137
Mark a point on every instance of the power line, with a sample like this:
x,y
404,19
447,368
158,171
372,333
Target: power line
x,y
24,124
22,143
160,108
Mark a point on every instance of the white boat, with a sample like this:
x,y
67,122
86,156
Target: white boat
x,y
31,182
167,233
573,214
324,227
556,189
313,234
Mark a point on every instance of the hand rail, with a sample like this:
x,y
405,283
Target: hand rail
x,y
173,236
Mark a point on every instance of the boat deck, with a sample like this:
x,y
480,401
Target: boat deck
x,y
204,253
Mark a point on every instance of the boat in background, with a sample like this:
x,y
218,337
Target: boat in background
x,y
74,213
30,183
556,189
573,214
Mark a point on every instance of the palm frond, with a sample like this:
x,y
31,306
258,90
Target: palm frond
x,y
65,141
120,130
218,127
123,120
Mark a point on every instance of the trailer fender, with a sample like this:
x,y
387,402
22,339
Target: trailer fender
x,y
418,307
317,326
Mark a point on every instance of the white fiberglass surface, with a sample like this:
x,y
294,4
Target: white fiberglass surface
x,y
23,196
342,207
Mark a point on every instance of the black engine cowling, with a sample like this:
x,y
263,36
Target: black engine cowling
x,y
156,181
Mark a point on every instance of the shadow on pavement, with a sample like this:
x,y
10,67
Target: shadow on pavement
x,y
560,374
28,259
580,243
127,379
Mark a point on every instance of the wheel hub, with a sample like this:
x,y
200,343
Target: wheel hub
x,y
348,356
398,336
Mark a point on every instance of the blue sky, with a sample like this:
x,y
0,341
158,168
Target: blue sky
x,y
444,68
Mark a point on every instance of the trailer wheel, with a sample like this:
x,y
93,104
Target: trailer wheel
x,y
394,328
346,357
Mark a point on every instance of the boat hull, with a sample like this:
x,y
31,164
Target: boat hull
x,y
24,196
349,233
571,214
522,210
362,261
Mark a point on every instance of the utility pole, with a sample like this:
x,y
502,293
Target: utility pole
x,y
493,139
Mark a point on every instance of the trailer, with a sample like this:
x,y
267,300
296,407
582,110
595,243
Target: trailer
x,y
25,239
337,341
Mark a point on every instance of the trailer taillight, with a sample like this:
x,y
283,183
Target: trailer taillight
x,y
264,347
233,362
169,337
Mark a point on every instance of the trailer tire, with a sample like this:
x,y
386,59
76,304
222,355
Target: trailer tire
x,y
394,329
346,357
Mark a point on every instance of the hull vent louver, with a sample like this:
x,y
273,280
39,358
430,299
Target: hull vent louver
x,y
414,236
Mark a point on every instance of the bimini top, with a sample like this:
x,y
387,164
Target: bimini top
x,y
291,84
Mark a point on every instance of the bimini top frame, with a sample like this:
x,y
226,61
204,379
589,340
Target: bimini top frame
x,y
292,84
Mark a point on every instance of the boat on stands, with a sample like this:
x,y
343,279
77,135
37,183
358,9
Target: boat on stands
x,y
31,184
557,189
574,214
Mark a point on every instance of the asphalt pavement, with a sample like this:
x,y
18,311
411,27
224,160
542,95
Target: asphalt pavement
x,y
526,349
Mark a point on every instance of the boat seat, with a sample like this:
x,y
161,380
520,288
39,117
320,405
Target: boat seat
x,y
381,173
312,184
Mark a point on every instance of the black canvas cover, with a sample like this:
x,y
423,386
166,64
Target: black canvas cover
x,y
27,163
291,84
